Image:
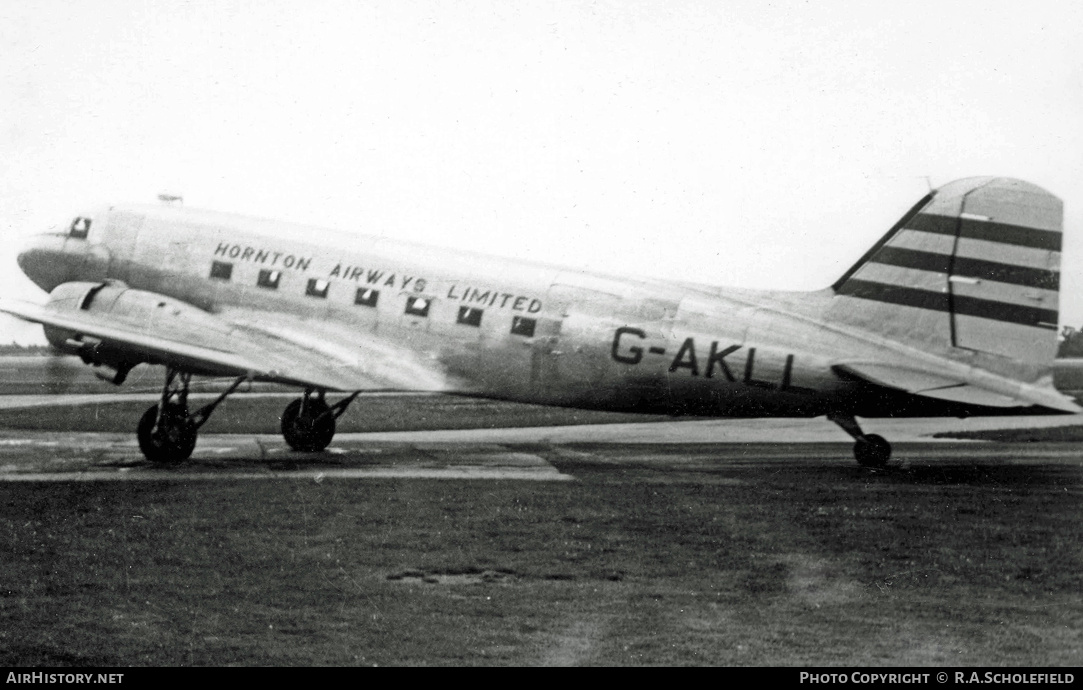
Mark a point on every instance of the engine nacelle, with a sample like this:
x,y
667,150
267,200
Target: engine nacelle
x,y
119,305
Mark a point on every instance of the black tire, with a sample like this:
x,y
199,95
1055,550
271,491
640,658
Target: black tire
x,y
174,439
309,433
872,451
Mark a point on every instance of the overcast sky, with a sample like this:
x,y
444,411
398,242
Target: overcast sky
x,y
734,143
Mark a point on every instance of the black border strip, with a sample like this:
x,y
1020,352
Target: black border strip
x,y
938,301
964,266
1003,233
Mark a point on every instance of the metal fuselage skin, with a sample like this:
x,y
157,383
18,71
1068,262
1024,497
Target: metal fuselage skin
x,y
485,326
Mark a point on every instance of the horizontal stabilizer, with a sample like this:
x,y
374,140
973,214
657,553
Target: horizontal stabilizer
x,y
972,395
900,378
944,386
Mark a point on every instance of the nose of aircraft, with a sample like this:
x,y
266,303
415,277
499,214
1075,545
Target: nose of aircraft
x,y
25,256
41,258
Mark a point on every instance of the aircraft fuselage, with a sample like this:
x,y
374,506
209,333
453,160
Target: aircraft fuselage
x,y
494,327
954,311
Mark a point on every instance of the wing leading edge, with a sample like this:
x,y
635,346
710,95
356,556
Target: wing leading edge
x,y
191,339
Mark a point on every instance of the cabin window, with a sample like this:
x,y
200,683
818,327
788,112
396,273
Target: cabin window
x,y
366,297
80,228
317,287
220,270
470,316
521,325
269,279
418,306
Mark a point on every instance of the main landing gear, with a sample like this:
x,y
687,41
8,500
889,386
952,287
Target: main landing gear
x,y
308,423
870,450
167,432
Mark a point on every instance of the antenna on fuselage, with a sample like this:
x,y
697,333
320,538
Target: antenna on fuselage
x,y
171,198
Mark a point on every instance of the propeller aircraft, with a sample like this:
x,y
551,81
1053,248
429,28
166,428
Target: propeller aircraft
x,y
953,312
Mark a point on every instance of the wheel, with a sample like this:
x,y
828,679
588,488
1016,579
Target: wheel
x,y
308,432
172,441
872,451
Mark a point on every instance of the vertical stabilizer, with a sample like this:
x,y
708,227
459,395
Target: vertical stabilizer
x,y
974,266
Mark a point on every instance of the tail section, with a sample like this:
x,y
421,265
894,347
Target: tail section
x,y
974,265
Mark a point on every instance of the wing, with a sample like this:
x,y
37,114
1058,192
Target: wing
x,y
348,351
109,324
958,387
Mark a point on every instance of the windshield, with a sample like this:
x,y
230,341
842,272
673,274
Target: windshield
x,y
80,228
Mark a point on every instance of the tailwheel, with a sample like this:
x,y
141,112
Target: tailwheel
x,y
167,438
872,451
308,424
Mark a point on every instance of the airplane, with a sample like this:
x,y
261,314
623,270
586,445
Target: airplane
x,y
954,311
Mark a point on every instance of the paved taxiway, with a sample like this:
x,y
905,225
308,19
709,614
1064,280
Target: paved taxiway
x,y
463,453
496,453
41,456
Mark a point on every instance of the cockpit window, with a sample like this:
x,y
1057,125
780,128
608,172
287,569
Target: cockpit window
x,y
80,228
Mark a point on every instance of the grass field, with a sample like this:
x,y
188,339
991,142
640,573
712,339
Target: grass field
x,y
969,554
717,556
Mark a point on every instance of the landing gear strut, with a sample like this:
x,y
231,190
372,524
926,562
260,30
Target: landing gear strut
x,y
167,432
870,450
308,423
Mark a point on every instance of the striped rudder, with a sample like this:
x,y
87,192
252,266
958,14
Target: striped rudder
x,y
975,265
